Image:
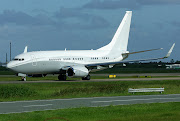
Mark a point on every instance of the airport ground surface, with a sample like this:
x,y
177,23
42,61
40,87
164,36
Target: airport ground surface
x,y
141,74
52,102
41,105
130,74
120,77
92,80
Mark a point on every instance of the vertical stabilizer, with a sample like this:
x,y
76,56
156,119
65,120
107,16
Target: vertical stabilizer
x,y
120,39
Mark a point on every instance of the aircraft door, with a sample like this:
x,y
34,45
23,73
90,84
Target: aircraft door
x,y
34,61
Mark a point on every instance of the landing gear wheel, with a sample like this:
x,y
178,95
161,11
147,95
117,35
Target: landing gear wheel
x,y
62,77
23,78
88,77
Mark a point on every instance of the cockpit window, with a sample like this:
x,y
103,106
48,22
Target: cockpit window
x,y
15,59
18,59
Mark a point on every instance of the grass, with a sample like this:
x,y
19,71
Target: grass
x,y
84,89
138,112
11,91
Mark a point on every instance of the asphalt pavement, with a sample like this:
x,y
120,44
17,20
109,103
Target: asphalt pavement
x,y
92,80
54,104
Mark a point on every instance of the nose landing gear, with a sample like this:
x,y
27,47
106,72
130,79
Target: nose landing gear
x,y
23,78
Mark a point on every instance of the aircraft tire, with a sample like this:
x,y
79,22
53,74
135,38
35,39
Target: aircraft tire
x,y
62,77
23,79
88,77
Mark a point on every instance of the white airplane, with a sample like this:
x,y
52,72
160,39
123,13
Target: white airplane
x,y
78,63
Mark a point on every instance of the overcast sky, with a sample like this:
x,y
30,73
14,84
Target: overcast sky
x,y
88,24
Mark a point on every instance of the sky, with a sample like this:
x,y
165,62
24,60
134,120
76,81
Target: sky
x,y
88,24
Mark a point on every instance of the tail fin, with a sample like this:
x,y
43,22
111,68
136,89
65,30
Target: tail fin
x,y
120,39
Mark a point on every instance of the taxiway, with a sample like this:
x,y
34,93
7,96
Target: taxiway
x,y
42,105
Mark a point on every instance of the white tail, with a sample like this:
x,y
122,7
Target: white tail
x,y
120,39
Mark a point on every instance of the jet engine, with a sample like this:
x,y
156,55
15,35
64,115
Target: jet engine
x,y
78,71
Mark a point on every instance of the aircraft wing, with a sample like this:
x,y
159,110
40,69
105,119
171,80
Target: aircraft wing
x,y
141,51
127,61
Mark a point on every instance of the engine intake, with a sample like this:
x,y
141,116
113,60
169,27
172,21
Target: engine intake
x,y
70,72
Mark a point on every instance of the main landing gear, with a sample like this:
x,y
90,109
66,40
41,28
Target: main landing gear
x,y
88,77
62,77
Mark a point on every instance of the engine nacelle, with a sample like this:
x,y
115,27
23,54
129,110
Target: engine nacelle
x,y
78,71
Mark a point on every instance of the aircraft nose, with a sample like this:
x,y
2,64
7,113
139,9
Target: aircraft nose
x,y
9,65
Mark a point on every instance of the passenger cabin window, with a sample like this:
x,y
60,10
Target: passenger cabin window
x,y
77,59
54,59
94,58
105,58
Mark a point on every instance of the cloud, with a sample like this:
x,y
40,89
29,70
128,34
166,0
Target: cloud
x,y
112,4
66,24
70,13
130,4
175,23
157,2
77,19
21,18
40,11
65,18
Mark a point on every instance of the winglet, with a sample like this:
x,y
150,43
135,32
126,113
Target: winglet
x,y
170,51
25,50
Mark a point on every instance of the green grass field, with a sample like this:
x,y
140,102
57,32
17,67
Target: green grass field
x,y
138,112
36,91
